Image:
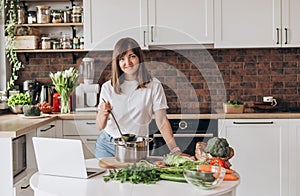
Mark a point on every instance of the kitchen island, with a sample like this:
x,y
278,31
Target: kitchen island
x,y
12,126
44,185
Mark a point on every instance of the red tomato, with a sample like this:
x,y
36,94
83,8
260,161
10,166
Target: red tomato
x,y
218,162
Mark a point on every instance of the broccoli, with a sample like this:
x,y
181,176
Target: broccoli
x,y
31,110
218,147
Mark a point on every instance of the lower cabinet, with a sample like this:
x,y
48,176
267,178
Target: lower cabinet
x,y
22,188
48,130
84,130
21,181
261,154
294,146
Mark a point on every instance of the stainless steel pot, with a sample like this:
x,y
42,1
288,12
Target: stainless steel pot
x,y
132,151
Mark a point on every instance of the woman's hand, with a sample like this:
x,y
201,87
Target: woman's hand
x,y
105,109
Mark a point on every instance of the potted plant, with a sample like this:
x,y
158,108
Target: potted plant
x,y
17,101
233,107
10,7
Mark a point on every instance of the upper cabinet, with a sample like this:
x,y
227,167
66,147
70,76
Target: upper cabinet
x,y
108,21
180,22
269,23
290,23
150,22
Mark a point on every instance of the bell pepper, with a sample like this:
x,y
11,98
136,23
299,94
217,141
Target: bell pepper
x,y
218,162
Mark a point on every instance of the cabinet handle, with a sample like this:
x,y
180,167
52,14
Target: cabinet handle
x,y
25,187
152,27
144,38
51,126
90,123
252,123
90,140
277,32
286,35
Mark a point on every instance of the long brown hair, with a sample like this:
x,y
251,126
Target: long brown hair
x,y
143,77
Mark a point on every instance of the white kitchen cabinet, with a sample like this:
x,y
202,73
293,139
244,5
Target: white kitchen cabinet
x,y
261,154
21,181
84,130
108,21
294,146
22,188
180,22
251,24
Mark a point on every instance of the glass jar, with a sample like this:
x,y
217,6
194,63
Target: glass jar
x,y
67,15
56,45
21,16
76,9
43,14
76,18
46,43
66,42
57,17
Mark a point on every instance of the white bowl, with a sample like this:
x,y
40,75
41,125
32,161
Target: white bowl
x,y
17,109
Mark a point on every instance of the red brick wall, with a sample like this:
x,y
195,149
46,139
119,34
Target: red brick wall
x,y
197,79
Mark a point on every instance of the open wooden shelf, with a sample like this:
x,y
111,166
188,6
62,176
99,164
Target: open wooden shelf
x,y
51,25
51,50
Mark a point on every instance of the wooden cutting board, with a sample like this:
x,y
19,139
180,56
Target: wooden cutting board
x,y
112,163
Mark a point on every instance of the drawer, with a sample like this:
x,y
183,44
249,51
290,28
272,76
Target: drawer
x,y
79,127
88,142
48,130
22,188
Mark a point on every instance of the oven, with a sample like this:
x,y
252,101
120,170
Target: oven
x,y
187,132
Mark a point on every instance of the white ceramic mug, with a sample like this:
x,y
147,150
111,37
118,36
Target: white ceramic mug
x,y
271,100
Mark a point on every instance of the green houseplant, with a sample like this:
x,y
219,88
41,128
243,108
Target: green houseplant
x,y
233,107
17,101
10,8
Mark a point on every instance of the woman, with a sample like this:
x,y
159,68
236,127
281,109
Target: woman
x,y
133,96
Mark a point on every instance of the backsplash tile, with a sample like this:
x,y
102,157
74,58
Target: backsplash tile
x,y
196,80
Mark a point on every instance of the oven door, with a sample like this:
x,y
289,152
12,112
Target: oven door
x,y
185,141
19,154
187,132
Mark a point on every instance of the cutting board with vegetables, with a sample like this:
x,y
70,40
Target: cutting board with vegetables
x,y
111,163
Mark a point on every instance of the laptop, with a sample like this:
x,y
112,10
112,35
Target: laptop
x,y
62,157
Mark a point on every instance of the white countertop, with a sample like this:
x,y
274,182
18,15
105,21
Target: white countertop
x,y
60,186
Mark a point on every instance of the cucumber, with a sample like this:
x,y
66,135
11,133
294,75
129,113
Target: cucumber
x,y
172,177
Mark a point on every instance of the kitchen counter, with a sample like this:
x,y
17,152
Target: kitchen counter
x,y
13,125
55,186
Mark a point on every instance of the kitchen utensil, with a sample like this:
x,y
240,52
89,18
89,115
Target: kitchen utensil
x,y
132,151
125,137
46,94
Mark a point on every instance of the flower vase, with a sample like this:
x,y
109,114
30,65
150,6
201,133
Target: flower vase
x,y
65,103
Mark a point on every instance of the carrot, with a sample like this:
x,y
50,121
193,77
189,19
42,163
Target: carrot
x,y
229,171
231,176
160,164
204,168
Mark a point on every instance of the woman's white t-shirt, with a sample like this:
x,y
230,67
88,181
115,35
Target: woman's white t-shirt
x,y
133,108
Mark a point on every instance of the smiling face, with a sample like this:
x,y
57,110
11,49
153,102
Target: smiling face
x,y
129,64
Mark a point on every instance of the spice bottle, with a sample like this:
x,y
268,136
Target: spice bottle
x,y
46,43
75,43
81,42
